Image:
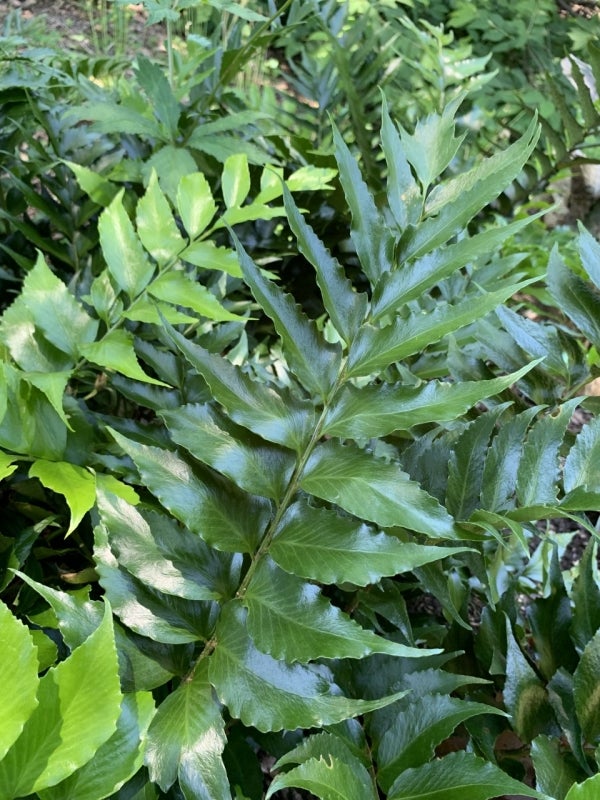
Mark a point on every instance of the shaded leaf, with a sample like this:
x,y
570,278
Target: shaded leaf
x,y
582,465
554,774
576,298
586,689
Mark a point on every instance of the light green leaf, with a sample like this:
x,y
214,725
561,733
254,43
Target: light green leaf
x,y
18,677
270,695
376,348
195,204
459,776
319,544
374,490
416,731
79,704
179,289
225,518
586,689
588,790
524,694
55,311
576,298
117,760
208,256
122,250
116,351
187,736
7,465
378,410
172,164
290,619
76,484
252,464
155,224
346,307
582,465
26,343
276,415
52,385
98,188
235,181
538,470
157,551
328,778
314,361
308,179
451,205
373,240
147,309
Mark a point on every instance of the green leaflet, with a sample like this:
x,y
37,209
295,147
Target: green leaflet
x,y
403,192
164,556
18,678
252,464
164,104
208,256
115,761
26,344
541,341
314,361
410,281
453,204
586,689
379,410
195,204
269,694
538,469
290,619
186,739
575,297
321,545
589,250
179,289
224,517
582,465
416,731
459,776
585,594
116,351
374,490
329,778
346,307
155,224
553,772
77,485
55,311
53,385
588,790
78,707
376,348
372,238
125,257
235,180
276,415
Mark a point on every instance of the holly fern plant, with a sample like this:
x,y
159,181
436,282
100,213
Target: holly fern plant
x,y
254,523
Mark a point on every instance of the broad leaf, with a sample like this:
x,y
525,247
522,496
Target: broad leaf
x,y
314,361
252,464
207,255
403,192
195,204
554,773
582,465
224,517
187,738
53,385
585,594
116,351
346,307
538,470
273,414
179,289
78,706
76,484
18,677
291,620
125,256
269,694
524,694
321,545
586,689
576,298
154,82
116,761
328,778
589,250
155,224
377,348
235,180
588,790
378,410
413,736
459,776
375,490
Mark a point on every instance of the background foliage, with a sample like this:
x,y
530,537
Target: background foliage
x,y
299,474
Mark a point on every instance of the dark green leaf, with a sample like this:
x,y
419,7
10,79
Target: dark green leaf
x,y
586,689
153,81
269,694
554,774
582,465
328,778
403,193
575,297
323,546
585,595
589,250
374,490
